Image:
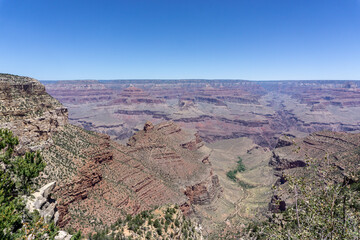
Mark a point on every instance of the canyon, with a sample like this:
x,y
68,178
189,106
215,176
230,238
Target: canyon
x,y
99,180
217,109
234,118
120,147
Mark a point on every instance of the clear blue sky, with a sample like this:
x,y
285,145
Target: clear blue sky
x,y
237,39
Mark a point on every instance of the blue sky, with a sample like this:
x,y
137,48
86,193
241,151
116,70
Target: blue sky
x,y
132,39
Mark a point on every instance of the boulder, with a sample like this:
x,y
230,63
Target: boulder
x,y
42,202
62,235
148,126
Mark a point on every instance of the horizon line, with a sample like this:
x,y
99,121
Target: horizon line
x,y
198,79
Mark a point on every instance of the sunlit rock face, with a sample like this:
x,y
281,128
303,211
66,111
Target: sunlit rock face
x,y
31,113
161,164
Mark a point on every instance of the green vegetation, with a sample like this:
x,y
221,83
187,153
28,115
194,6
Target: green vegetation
x,y
245,184
160,223
27,168
76,236
62,151
16,178
239,168
232,175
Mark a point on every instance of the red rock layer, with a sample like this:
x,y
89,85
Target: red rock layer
x,y
158,163
205,192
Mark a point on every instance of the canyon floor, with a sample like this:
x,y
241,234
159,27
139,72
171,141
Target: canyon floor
x,y
247,198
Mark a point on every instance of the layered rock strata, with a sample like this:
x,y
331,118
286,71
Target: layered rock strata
x,y
89,91
98,179
210,107
31,113
217,109
158,166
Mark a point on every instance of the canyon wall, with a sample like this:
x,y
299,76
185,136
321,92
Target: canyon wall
x,y
99,180
217,109
31,113
107,180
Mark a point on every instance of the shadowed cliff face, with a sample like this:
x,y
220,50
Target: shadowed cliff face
x,y
30,112
217,109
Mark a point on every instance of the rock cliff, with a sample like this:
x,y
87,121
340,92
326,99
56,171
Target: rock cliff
x,y
99,180
31,113
111,180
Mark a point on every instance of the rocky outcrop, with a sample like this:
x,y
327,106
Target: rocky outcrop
x,y
205,192
284,141
28,111
185,104
62,235
148,126
194,144
42,202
